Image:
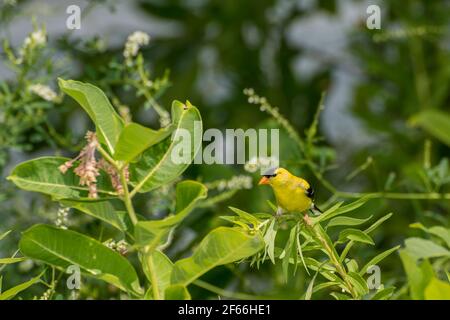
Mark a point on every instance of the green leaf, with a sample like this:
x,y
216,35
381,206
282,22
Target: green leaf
x,y
269,239
111,211
355,235
437,231
346,221
134,139
340,296
94,101
377,223
383,294
309,290
42,175
62,248
177,292
418,275
159,164
338,210
421,248
358,283
290,251
221,246
157,268
245,216
153,233
437,290
10,260
435,123
11,293
377,259
3,235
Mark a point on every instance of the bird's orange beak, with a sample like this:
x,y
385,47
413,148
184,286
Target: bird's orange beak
x,y
264,180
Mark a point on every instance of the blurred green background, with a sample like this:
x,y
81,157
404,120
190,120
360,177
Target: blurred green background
x,y
290,52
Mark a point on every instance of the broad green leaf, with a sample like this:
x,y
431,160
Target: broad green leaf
x,y
62,248
383,294
111,211
377,259
435,123
177,292
94,101
42,175
358,283
10,260
355,235
11,293
346,221
437,231
157,268
221,246
134,139
152,233
418,275
421,248
437,290
165,161
338,210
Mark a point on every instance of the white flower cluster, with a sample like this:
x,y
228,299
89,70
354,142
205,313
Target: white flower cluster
x,y
264,163
37,38
61,217
47,294
236,182
121,246
134,41
43,91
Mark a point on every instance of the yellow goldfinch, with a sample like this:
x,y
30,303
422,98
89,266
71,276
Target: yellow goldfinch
x,y
293,194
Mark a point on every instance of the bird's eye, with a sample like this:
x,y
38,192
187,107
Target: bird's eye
x,y
270,175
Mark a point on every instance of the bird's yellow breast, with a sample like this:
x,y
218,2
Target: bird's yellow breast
x,y
292,199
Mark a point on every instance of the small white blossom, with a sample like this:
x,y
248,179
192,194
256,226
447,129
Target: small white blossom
x,y
43,91
263,163
37,38
236,182
61,217
134,41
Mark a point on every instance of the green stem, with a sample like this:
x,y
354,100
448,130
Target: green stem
x,y
332,254
153,279
126,197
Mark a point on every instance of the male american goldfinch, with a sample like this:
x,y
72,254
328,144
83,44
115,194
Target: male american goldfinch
x,y
293,194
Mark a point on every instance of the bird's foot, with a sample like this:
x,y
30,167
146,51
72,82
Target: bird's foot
x,y
307,219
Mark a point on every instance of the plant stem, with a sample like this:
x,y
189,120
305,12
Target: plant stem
x,y
332,254
126,197
377,195
154,280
